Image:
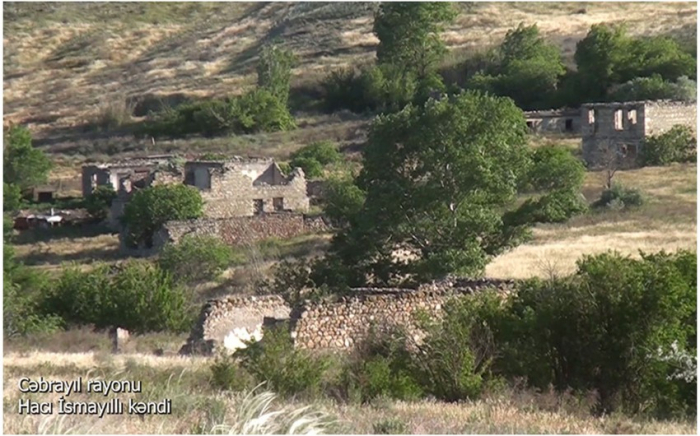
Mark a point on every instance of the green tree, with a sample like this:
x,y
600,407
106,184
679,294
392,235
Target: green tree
x,y
437,179
275,71
196,258
528,72
598,59
12,197
99,201
657,55
152,207
343,200
409,34
23,165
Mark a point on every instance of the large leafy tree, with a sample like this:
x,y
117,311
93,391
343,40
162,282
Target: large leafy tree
x,y
528,71
23,165
437,179
152,207
598,57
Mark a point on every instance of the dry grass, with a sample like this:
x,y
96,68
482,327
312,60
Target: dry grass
x,y
197,407
62,61
84,250
667,222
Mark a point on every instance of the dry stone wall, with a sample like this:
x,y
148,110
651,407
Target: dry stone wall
x,y
336,324
226,320
342,323
241,230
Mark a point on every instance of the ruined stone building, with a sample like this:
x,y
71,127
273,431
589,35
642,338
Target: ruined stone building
x,y
624,126
230,188
554,121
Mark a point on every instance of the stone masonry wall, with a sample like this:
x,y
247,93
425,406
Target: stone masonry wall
x,y
223,321
337,324
241,230
342,323
661,117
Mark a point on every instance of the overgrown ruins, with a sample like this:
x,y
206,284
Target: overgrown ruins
x,y
334,324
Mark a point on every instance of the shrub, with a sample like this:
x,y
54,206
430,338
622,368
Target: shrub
x,y
196,258
381,366
457,351
676,145
152,207
601,328
12,197
343,200
654,88
556,207
21,311
99,201
255,111
619,197
390,426
314,157
226,374
137,296
23,165
286,370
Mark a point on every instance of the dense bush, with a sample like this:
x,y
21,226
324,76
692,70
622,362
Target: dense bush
x,y
601,328
137,296
152,207
227,374
384,88
380,366
655,88
676,145
619,197
285,369
255,111
196,258
343,200
99,201
313,157
11,197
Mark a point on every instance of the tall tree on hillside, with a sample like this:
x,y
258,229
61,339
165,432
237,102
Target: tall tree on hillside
x,y
24,166
409,38
275,71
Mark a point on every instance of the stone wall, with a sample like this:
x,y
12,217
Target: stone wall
x,y
342,323
334,324
224,322
241,230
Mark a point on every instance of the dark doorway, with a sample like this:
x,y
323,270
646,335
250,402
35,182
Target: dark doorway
x,y
569,125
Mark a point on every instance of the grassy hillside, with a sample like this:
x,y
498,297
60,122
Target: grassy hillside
x,y
67,64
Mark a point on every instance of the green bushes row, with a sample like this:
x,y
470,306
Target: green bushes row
x,y
676,145
257,111
619,327
137,296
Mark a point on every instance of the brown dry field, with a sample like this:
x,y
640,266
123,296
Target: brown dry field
x,y
64,63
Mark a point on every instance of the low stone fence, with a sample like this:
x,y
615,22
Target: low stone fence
x,y
341,323
334,324
233,231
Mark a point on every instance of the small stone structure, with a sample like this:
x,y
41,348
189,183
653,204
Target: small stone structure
x,y
335,324
554,121
235,314
624,126
120,338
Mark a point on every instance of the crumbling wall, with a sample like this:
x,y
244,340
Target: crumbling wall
x,y
223,322
559,121
336,324
662,116
342,323
241,230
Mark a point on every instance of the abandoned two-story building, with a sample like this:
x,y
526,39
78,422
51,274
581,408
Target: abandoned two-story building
x,y
624,126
